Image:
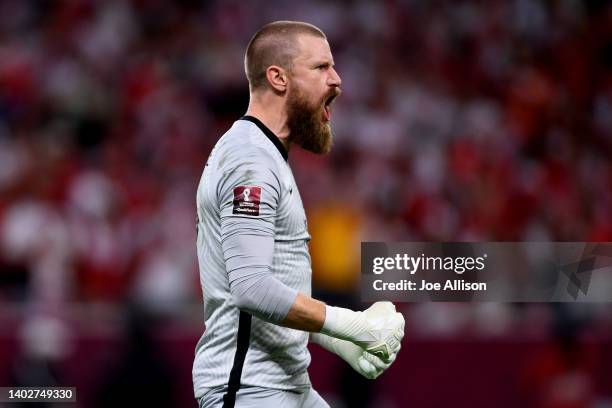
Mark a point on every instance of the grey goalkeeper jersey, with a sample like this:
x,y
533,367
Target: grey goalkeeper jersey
x,y
247,189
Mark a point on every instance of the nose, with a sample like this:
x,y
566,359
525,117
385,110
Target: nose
x,y
334,78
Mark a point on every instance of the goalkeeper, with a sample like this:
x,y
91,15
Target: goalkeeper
x,y
253,238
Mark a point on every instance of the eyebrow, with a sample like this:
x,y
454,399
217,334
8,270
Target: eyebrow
x,y
325,63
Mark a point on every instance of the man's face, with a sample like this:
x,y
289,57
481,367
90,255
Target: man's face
x,y
314,85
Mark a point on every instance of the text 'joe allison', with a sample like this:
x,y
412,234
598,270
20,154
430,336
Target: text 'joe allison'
x,y
412,264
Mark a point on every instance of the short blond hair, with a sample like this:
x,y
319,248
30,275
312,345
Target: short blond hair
x,y
274,44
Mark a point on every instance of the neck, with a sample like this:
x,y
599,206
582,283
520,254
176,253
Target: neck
x,y
270,110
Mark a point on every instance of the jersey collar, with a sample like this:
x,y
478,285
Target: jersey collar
x,y
269,134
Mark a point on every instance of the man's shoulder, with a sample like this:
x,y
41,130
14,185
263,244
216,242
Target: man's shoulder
x,y
244,143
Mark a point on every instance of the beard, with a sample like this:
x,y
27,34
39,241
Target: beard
x,y
306,126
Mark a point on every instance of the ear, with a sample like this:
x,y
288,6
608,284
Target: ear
x,y
277,77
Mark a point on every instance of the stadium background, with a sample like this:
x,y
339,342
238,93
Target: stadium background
x,y
460,121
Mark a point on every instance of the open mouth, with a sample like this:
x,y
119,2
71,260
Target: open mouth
x,y
327,107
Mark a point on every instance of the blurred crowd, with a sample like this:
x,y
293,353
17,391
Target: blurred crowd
x,y
459,121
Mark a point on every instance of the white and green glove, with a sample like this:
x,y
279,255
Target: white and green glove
x,y
369,341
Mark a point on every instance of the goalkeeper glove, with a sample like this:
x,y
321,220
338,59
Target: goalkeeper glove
x,y
366,364
378,330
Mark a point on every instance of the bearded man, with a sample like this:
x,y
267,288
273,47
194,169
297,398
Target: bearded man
x,y
253,238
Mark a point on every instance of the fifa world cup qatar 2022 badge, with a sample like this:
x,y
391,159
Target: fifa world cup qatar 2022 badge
x,y
246,200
